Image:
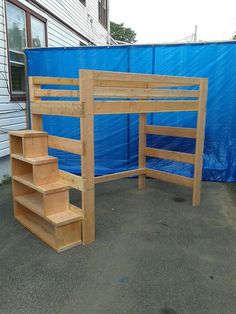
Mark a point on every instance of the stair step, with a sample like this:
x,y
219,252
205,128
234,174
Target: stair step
x,y
27,179
28,133
60,219
35,160
59,237
32,201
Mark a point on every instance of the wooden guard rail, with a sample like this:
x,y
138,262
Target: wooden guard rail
x,y
110,93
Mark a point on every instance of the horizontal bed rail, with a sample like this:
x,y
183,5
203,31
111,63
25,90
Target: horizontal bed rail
x,y
170,131
169,154
44,80
169,177
66,144
119,175
115,107
57,108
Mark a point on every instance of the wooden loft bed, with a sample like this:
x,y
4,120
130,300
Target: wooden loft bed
x,y
41,190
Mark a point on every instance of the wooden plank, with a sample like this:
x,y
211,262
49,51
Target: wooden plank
x,y
71,180
36,120
116,107
65,144
120,76
171,155
43,80
87,160
71,109
56,93
142,145
117,176
170,131
169,177
118,92
136,84
200,142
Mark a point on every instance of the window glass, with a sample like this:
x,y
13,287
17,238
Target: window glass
x,y
18,78
37,33
16,27
16,32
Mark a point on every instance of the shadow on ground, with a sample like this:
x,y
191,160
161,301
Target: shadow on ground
x,y
154,253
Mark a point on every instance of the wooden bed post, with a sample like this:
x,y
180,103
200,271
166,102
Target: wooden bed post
x,y
142,145
87,158
36,119
199,143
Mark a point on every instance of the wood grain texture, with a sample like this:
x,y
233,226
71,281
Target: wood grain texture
x,y
169,154
87,159
65,144
57,108
115,107
142,145
43,80
119,175
170,131
200,142
169,177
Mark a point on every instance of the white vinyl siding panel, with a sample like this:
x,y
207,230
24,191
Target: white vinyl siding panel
x,y
83,19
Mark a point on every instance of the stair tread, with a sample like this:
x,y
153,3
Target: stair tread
x,y
27,179
65,217
28,133
35,160
32,201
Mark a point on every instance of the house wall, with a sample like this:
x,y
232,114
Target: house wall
x,y
82,19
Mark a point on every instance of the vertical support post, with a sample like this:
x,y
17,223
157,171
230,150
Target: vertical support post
x,y
36,119
199,143
87,159
142,145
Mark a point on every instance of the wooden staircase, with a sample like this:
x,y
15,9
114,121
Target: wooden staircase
x,y
41,202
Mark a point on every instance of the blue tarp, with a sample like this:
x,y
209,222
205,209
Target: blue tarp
x,y
116,136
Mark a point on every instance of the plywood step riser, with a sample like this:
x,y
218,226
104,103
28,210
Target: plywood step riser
x,y
34,146
45,173
59,238
42,173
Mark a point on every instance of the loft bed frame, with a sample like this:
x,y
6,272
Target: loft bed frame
x,y
121,93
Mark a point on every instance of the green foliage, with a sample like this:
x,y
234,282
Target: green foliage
x,y
122,33
6,179
234,36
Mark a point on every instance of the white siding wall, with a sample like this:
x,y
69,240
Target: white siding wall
x,y
74,13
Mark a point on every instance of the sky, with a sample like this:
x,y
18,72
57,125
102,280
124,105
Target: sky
x,y
157,21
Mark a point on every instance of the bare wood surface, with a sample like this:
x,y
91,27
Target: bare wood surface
x,y
56,93
71,180
171,155
142,145
118,92
115,107
170,131
36,120
119,175
169,177
72,109
65,144
87,159
120,76
200,143
44,80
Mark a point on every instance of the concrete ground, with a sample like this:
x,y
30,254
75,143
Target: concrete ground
x,y
154,253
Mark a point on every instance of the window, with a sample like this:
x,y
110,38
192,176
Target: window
x,y
24,29
83,2
102,12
